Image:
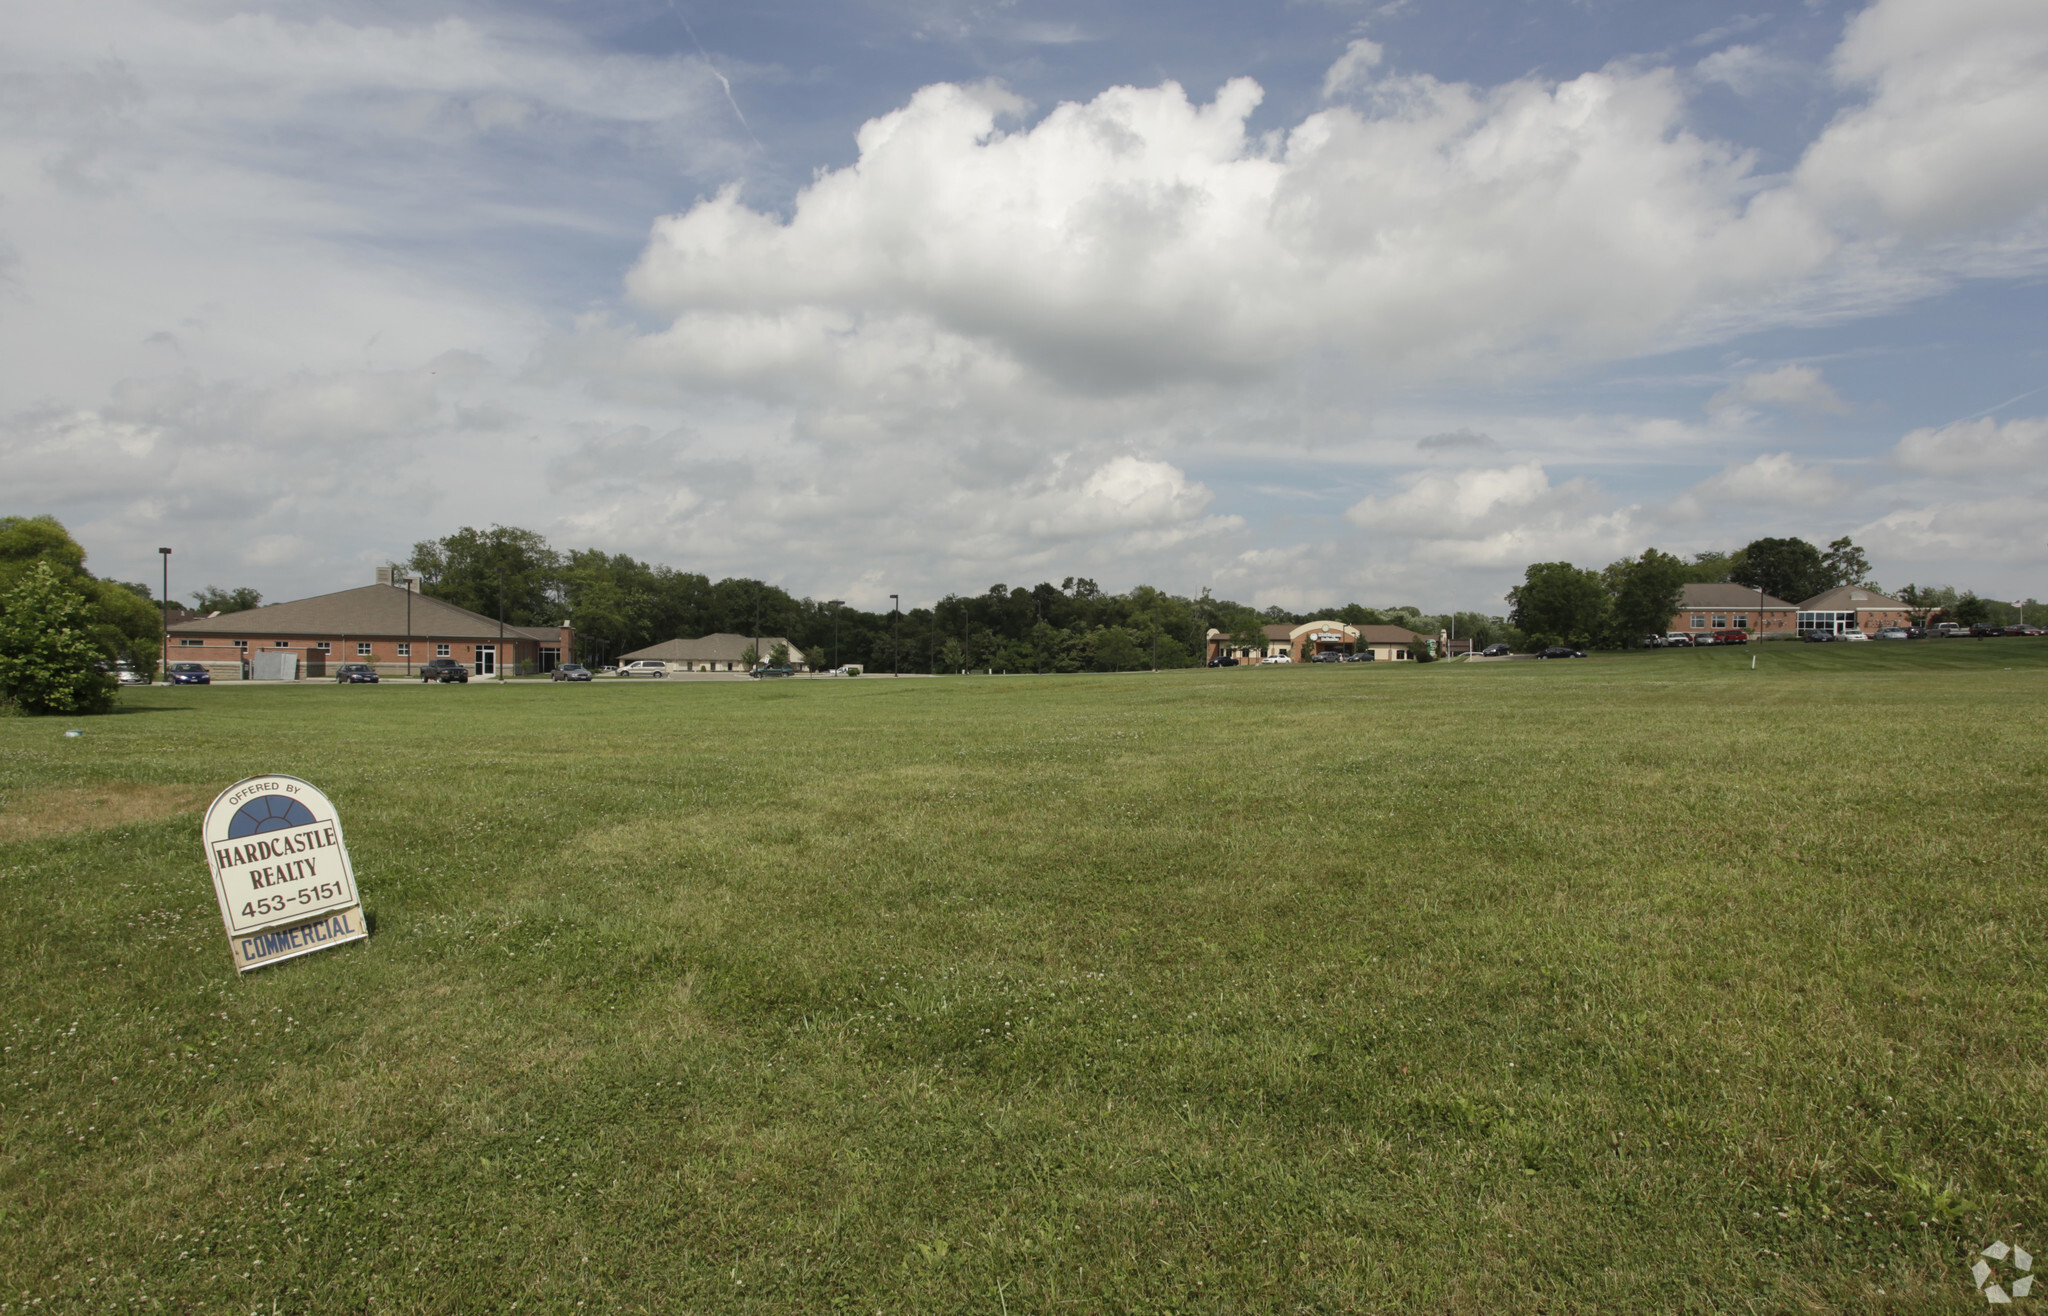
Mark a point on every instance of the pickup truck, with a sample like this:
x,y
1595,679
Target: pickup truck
x,y
444,670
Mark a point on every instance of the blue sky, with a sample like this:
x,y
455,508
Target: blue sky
x,y
1302,303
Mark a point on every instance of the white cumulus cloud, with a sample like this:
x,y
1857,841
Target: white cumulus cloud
x,y
1976,447
1954,134
1141,238
1774,478
1800,388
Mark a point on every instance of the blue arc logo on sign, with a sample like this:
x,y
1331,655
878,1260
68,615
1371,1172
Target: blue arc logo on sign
x,y
279,863
269,813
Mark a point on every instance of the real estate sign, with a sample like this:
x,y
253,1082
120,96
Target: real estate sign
x,y
281,871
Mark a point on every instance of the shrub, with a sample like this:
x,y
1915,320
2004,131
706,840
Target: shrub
x,y
47,654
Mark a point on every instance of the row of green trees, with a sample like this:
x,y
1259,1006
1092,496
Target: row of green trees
x,y
61,626
619,604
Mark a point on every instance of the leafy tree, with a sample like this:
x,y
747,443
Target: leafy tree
x,y
1644,594
215,599
1558,598
1713,567
47,647
748,657
1116,650
124,620
466,569
1969,610
1789,569
1846,564
779,656
1248,631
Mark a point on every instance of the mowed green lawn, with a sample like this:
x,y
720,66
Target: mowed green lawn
x,y
1644,983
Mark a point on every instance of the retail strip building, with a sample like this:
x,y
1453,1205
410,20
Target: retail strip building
x,y
1302,643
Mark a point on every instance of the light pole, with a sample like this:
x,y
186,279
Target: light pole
x,y
408,628
498,658
165,665
835,605
896,635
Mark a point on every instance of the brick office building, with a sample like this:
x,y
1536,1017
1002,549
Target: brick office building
x,y
722,652
1704,609
390,625
1852,608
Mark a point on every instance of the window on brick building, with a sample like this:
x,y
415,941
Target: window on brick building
x,y
1741,621
440,651
280,644
1699,621
362,648
1720,621
191,641
323,647
405,651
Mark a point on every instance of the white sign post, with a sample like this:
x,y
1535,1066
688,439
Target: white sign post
x,y
281,871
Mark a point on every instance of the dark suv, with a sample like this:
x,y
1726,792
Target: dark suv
x,y
444,670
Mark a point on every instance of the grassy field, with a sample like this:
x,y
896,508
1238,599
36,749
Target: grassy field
x,y
1644,983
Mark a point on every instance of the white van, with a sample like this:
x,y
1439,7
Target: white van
x,y
644,667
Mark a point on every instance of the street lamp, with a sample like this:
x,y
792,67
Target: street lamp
x,y
896,635
835,605
498,658
165,665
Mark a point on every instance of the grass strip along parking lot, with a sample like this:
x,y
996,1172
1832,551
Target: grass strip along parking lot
x,y
1651,982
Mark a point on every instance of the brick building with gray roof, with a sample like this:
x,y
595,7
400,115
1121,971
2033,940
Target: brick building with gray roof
x,y
390,625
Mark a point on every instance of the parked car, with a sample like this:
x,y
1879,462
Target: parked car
x,y
444,671
2021,628
1916,632
1818,635
1677,640
854,669
1492,651
187,674
1948,630
1364,656
1331,657
570,672
1984,629
1279,658
127,675
772,671
644,667
1854,636
1893,633
355,674
1731,637
1562,651
1223,662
